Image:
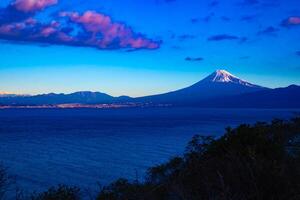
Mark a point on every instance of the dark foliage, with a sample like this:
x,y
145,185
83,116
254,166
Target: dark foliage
x,y
61,192
4,181
248,163
122,189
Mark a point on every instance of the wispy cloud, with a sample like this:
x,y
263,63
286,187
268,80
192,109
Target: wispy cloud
x,y
194,59
87,29
248,18
194,20
222,37
271,31
205,19
226,37
208,18
186,37
244,57
224,18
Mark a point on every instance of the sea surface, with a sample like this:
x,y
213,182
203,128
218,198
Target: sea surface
x,y
92,147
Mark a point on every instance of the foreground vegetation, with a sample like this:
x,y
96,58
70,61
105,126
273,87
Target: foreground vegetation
x,y
255,162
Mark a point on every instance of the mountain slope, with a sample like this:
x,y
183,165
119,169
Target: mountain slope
x,y
288,97
220,83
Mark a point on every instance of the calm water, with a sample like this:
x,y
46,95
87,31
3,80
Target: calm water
x,y
44,147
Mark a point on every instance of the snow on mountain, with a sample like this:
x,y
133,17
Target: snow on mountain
x,y
224,76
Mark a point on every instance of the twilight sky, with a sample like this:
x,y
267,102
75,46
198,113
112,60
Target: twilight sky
x,y
136,48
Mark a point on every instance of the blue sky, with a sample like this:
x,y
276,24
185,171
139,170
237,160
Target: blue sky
x,y
162,45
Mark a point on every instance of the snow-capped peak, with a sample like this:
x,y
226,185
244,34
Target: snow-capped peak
x,y
223,76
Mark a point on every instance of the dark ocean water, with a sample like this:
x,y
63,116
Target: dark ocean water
x,y
82,147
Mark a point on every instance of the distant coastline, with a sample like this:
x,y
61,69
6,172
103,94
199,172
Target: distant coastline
x,y
77,105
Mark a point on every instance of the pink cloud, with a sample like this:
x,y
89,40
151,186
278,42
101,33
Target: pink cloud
x,y
63,37
32,30
45,32
32,5
89,29
6,29
106,33
291,21
92,21
12,29
294,20
30,21
15,28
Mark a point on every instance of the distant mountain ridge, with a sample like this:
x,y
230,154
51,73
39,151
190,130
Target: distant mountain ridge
x,y
219,89
81,97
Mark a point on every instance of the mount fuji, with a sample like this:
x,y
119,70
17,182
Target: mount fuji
x,y
218,84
